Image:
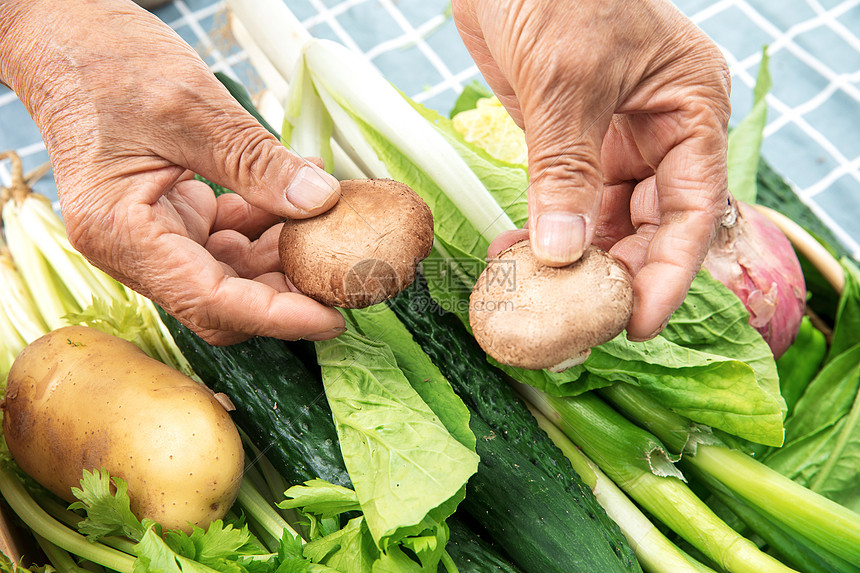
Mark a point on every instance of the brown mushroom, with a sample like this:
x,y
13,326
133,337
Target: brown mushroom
x,y
362,251
529,315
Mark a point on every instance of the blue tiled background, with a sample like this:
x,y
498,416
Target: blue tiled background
x,y
814,108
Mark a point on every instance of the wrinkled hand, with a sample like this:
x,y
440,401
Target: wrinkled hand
x,y
625,107
128,112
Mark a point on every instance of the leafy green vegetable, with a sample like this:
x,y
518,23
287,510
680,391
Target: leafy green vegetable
x,y
823,436
408,470
704,387
321,498
745,140
349,549
469,97
822,449
380,323
846,330
800,363
352,547
220,548
107,505
489,126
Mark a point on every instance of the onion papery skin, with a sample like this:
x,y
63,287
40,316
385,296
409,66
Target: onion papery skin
x,y
756,261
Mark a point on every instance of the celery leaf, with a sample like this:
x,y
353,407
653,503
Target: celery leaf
x,y
349,549
108,512
321,497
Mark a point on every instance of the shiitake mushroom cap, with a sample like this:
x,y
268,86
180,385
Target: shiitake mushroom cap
x,y
529,315
362,251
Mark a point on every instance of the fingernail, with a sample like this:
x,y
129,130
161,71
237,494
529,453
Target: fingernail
x,y
559,237
650,336
311,188
327,335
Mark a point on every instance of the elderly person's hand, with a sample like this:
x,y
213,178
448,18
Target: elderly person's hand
x,y
625,107
128,111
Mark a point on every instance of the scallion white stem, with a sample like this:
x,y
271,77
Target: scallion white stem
x,y
277,32
357,87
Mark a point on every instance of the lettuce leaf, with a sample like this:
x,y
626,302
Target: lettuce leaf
x,y
408,470
380,323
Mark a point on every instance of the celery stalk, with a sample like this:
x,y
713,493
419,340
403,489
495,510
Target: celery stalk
x,y
40,208
821,520
58,557
71,519
630,456
11,343
41,523
255,505
17,303
50,299
83,281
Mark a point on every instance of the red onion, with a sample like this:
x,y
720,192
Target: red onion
x,y
754,259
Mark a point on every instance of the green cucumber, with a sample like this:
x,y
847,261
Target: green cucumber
x,y
280,404
527,512
516,435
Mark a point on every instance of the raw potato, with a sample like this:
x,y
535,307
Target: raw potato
x,y
529,315
80,399
362,251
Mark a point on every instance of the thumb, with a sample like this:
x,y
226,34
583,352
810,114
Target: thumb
x,y
565,188
244,157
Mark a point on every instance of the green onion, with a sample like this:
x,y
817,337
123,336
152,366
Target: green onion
x,y
642,467
352,88
821,520
653,550
793,549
